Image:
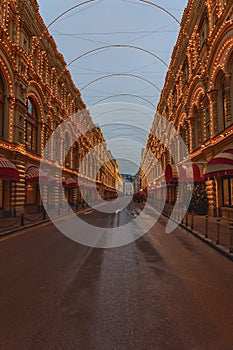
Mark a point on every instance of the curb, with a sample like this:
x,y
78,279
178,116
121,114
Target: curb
x,y
217,247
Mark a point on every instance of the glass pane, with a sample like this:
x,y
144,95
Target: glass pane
x,y
1,193
231,189
1,83
226,201
30,107
31,194
29,136
34,139
1,118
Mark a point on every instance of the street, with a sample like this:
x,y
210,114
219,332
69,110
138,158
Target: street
x,y
163,291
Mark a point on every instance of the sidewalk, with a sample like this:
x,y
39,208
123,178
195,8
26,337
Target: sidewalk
x,y
206,228
11,225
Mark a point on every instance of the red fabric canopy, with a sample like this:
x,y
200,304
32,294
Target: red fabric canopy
x,y
171,173
8,170
69,182
192,173
34,176
220,165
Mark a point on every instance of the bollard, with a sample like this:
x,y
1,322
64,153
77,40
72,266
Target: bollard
x,y
186,220
231,238
22,220
44,214
192,217
206,226
218,231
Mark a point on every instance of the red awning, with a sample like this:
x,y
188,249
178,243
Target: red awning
x,y
220,165
171,173
34,176
192,173
69,182
52,180
8,170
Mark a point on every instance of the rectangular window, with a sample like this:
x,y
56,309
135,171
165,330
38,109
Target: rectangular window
x,y
1,194
227,185
31,194
34,139
231,190
29,136
1,119
207,123
226,199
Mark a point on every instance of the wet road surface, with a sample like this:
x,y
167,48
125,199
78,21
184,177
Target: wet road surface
x,y
164,291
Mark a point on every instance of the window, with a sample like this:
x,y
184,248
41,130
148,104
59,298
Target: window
x,y
31,126
31,194
207,122
197,127
67,151
204,29
221,102
174,96
76,157
185,70
1,194
227,186
2,106
224,107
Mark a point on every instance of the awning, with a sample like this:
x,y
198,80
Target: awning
x,y
220,165
171,173
8,170
69,182
192,173
52,180
34,176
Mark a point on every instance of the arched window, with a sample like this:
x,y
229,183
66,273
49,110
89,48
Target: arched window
x,y
32,126
47,135
185,135
204,28
195,129
224,106
197,126
222,102
76,157
67,151
207,121
2,106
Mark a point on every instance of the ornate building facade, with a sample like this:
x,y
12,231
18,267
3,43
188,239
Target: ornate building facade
x,y
197,98
36,94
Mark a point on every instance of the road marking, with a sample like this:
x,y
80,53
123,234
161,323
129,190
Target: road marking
x,y
88,212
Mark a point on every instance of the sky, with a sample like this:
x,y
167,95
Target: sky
x,y
129,78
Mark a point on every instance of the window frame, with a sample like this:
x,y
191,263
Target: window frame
x,y
32,125
2,105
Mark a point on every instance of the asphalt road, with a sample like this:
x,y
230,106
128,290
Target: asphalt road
x,y
163,291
